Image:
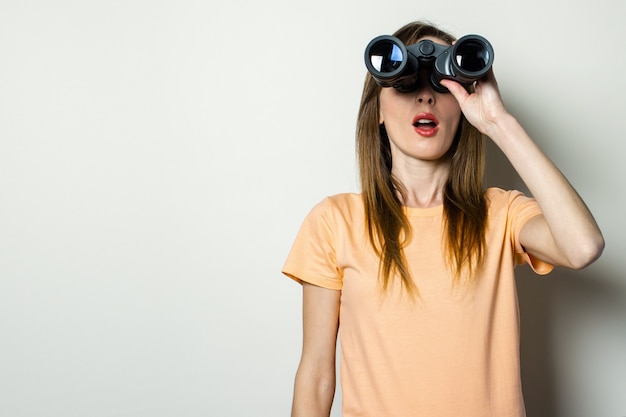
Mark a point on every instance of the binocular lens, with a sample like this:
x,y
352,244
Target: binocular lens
x,y
386,56
393,64
472,56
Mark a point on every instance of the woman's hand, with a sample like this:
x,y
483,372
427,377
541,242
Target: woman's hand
x,y
484,107
566,234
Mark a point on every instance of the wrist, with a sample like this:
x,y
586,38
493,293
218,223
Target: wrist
x,y
502,127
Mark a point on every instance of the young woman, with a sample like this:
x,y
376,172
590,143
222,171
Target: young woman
x,y
416,272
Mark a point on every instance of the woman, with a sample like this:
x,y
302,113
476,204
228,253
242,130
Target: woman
x,y
418,268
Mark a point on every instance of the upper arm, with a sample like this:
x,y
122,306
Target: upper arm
x,y
577,250
315,380
320,320
536,239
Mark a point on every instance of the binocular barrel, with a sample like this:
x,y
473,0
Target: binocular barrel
x,y
393,64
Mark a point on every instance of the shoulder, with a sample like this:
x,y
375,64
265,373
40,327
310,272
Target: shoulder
x,y
498,198
346,201
340,203
511,206
340,208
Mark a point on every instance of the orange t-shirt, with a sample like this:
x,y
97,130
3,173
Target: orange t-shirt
x,y
454,351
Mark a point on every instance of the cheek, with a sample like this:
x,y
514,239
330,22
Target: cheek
x,y
451,105
453,112
383,105
391,105
455,117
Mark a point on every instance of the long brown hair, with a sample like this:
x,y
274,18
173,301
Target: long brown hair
x,y
464,206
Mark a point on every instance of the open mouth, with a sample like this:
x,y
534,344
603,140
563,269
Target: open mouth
x,y
425,124
425,120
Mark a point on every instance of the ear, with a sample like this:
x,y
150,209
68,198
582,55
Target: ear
x,y
383,131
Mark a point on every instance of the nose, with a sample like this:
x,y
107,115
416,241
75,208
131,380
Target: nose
x,y
424,92
425,96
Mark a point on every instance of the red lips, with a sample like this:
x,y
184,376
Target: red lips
x,y
425,124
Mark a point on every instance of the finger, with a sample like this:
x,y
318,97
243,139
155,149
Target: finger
x,y
456,89
489,78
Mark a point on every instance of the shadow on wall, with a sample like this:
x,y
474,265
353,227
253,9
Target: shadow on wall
x,y
534,297
538,370
567,305
558,305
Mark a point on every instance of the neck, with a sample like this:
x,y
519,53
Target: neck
x,y
423,182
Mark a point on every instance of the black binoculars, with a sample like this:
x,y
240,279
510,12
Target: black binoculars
x,y
393,64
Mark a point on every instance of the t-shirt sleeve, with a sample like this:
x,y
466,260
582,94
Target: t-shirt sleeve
x,y
522,209
313,256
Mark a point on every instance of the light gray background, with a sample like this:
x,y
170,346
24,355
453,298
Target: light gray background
x,y
158,157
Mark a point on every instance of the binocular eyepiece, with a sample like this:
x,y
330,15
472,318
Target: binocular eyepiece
x,y
393,64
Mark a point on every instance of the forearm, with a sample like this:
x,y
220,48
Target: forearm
x,y
314,392
573,228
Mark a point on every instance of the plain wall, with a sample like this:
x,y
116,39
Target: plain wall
x,y
158,157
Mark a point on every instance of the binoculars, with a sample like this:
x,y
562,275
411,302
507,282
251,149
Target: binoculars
x,y
393,64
